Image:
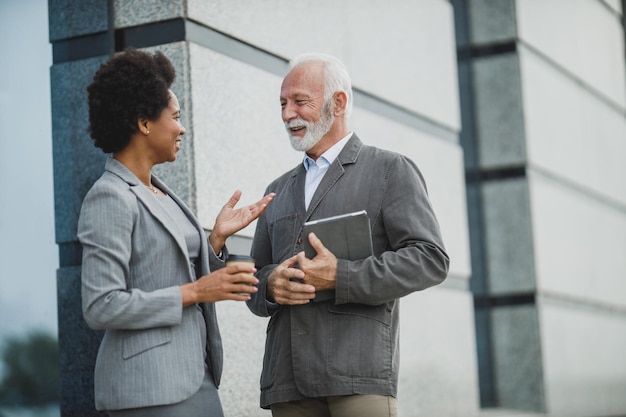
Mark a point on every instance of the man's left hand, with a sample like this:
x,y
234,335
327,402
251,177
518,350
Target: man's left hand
x,y
321,271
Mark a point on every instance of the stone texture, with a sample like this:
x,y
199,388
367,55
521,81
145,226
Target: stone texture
x,y
492,21
508,237
138,12
70,18
371,52
78,346
77,162
499,112
179,175
518,362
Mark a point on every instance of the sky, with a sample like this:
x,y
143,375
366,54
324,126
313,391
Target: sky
x,y
28,252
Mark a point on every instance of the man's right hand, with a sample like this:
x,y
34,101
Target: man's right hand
x,y
283,286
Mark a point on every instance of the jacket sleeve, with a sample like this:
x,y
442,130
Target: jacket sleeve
x,y
108,218
262,253
409,252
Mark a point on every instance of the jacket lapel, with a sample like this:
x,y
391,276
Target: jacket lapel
x,y
204,244
348,155
298,178
147,198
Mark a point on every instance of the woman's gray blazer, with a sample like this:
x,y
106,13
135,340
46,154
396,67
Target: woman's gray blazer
x,y
134,260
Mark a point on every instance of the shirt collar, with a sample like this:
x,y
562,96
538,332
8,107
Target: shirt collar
x,y
329,156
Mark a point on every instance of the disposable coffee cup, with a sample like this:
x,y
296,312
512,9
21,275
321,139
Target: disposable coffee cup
x,y
240,260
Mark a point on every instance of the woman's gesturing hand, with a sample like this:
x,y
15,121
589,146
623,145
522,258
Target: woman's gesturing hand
x,y
231,220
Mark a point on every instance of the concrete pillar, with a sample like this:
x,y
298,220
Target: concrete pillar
x,y
543,122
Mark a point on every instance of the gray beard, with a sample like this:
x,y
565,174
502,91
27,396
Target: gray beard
x,y
314,131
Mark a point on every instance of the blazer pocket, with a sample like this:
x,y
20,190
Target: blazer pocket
x,y
139,341
381,313
360,341
285,235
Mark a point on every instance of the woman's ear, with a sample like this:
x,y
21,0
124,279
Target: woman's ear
x,y
340,100
142,126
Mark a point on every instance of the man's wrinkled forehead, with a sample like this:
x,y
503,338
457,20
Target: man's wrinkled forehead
x,y
308,76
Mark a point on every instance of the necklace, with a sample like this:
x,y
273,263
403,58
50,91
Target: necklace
x,y
153,188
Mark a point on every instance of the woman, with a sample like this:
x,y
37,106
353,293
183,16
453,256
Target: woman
x,y
146,276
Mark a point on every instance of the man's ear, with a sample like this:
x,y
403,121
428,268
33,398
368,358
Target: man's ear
x,y
340,100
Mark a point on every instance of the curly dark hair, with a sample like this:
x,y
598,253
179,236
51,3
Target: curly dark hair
x,y
131,85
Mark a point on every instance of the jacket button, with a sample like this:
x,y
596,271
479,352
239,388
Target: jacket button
x,y
300,240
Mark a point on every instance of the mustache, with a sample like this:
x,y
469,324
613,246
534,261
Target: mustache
x,y
297,123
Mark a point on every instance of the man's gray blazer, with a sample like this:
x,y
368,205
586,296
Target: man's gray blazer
x,y
349,344
134,260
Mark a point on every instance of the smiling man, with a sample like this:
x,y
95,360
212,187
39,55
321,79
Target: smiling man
x,y
338,355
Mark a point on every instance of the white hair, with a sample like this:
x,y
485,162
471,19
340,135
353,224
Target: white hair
x,y
336,76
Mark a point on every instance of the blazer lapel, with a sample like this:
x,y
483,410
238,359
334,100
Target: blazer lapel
x,y
296,185
148,199
348,155
204,244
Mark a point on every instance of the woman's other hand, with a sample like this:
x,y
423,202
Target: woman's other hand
x,y
235,282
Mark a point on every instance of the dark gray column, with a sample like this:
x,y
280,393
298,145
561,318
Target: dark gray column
x,y
81,40
493,140
77,163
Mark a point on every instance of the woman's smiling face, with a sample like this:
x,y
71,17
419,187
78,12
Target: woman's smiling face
x,y
166,131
